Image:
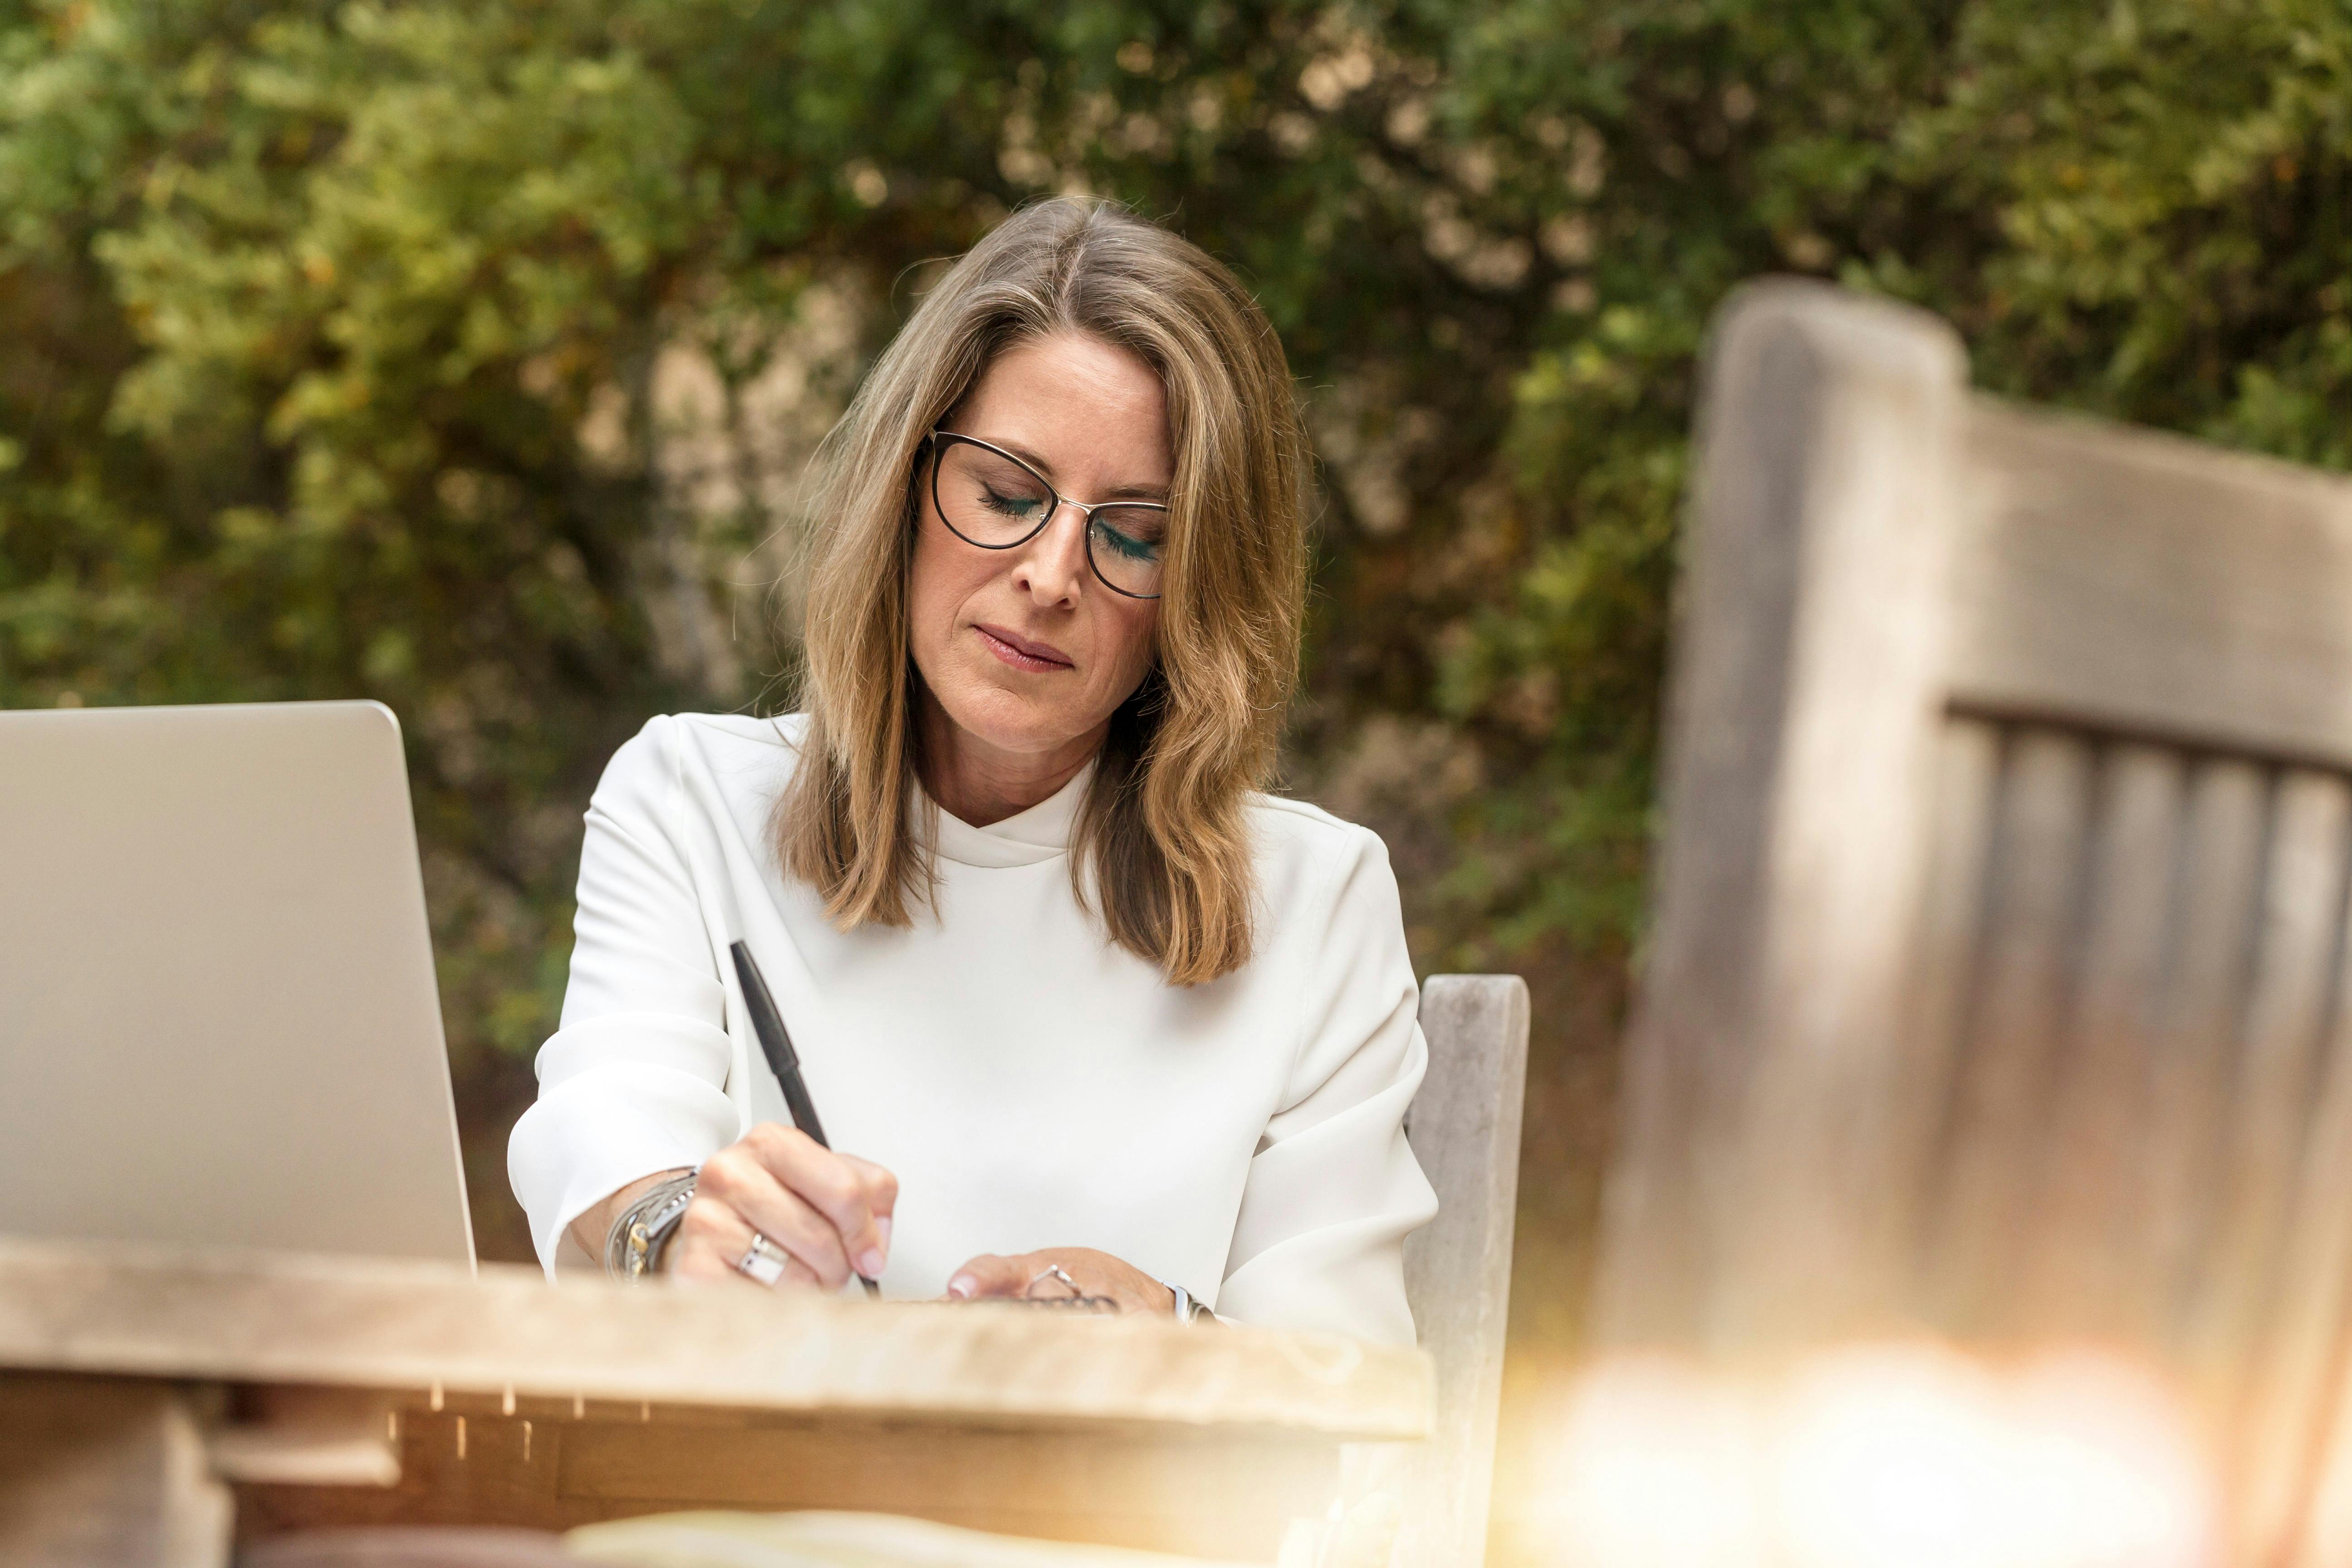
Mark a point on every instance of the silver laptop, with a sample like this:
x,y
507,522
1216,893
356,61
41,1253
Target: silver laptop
x,y
219,1024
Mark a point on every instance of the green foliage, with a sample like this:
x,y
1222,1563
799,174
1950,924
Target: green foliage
x,y
309,313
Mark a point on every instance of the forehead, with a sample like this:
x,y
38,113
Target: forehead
x,y
1091,410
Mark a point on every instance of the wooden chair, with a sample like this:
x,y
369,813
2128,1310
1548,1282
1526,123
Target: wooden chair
x,y
1998,979
1464,1130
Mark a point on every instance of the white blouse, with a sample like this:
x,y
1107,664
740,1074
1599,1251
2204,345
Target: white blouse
x,y
1030,1084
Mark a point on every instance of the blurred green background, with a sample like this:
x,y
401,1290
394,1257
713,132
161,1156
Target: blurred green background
x,y
465,354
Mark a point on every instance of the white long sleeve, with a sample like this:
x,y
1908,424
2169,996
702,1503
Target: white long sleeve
x,y
1334,1188
1030,1085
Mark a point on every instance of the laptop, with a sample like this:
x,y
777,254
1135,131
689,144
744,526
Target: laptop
x,y
219,1024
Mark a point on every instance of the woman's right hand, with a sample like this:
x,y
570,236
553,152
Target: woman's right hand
x,y
829,1212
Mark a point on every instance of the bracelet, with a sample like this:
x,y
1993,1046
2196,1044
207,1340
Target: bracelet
x,y
1188,1310
633,1246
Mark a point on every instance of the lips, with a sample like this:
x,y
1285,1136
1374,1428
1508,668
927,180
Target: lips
x,y
1022,653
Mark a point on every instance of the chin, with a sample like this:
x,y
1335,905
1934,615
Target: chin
x,y
1008,719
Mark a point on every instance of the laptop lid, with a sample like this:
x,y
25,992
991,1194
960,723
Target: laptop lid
x,y
219,1024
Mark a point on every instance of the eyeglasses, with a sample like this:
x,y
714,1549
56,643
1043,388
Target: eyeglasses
x,y
989,498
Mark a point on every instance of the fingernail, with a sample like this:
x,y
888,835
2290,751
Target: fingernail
x,y
882,1234
869,1262
962,1285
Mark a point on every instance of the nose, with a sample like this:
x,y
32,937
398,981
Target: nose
x,y
1052,565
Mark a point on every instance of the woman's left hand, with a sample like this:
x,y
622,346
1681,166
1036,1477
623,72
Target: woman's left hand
x,y
1097,1273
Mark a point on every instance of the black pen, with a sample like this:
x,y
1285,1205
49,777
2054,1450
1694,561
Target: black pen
x,y
776,1045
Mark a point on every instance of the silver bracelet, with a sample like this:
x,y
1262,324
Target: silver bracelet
x,y
1188,1310
633,1246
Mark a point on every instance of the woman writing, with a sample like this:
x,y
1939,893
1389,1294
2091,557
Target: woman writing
x,y
1079,1003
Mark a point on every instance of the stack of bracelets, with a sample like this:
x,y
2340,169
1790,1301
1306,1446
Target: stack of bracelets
x,y
633,1246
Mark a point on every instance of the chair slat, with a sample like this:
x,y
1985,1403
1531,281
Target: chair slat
x,y
2199,1013
1465,1131
2322,1536
1967,787
2296,942
2090,1271
2300,1379
2003,1096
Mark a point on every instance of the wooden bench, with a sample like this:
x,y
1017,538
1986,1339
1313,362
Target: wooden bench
x,y
1998,983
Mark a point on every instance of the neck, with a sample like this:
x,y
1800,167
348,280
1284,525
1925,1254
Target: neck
x,y
982,784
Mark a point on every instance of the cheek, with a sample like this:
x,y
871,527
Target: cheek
x,y
924,586
939,579
1137,633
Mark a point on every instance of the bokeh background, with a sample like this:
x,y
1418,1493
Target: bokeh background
x,y
467,355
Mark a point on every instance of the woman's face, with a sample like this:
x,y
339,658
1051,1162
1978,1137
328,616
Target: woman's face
x,y
1026,650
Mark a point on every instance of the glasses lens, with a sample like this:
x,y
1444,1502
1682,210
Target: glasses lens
x,y
1125,544
988,499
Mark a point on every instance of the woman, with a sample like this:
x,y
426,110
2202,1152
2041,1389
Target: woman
x,y
1082,1011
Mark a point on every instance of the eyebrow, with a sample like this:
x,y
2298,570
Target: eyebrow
x,y
1157,493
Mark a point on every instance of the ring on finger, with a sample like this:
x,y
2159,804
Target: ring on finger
x,y
1055,1272
764,1262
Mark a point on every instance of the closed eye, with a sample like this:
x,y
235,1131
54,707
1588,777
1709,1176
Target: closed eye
x,y
1127,544
1017,506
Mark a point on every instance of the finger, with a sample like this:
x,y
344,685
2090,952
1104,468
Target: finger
x,y
743,1183
827,1182
712,1241
989,1275
881,1196
711,1237
1147,1296
765,1205
706,1265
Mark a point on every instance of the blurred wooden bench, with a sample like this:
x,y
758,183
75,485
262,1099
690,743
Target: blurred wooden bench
x,y
1998,972
144,1394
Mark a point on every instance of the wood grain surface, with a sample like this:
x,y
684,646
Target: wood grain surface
x,y
2138,581
347,1323
335,1393
1464,1130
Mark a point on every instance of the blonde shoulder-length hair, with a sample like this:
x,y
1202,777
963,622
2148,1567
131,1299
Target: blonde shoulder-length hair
x,y
1161,841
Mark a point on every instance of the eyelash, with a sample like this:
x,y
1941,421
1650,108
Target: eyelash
x,y
1133,548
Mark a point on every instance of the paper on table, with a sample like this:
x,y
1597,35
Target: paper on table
x,y
827,1540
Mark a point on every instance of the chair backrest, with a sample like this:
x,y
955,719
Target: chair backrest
x,y
1998,969
1465,1131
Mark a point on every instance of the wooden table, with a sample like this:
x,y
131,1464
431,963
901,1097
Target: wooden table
x,y
148,1399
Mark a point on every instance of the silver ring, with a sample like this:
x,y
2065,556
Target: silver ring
x,y
764,1262
1053,1271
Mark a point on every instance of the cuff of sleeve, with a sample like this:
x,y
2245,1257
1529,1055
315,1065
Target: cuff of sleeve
x,y
594,1134
1345,1279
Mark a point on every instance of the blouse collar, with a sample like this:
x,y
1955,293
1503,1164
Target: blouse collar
x,y
1025,838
